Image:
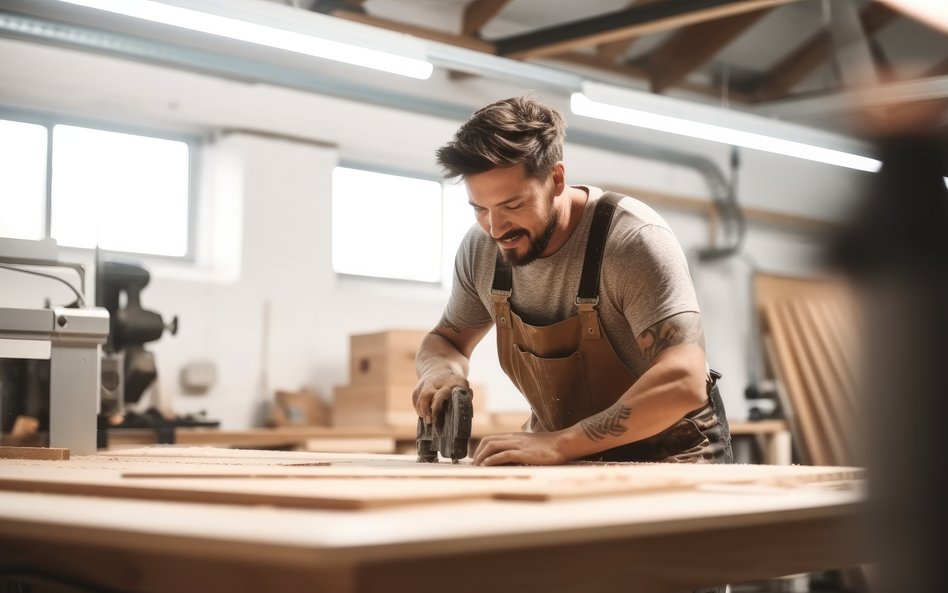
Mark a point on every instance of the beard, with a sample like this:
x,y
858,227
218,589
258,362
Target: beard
x,y
536,247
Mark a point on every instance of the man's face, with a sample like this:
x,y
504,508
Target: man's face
x,y
515,210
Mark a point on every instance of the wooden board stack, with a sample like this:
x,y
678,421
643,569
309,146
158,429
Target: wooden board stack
x,y
360,482
382,377
809,329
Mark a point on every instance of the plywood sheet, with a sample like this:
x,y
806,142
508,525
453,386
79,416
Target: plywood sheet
x,y
49,453
809,331
352,482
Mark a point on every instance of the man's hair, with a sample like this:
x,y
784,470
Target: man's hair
x,y
504,134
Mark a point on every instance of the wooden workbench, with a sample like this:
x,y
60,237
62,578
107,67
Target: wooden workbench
x,y
772,436
203,519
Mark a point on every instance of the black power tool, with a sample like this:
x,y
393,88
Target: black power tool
x,y
451,430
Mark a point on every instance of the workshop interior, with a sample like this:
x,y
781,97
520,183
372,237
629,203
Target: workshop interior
x,y
224,237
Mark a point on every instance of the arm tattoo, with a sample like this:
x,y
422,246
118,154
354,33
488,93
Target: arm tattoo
x,y
683,328
608,422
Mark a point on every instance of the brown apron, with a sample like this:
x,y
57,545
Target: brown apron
x,y
568,371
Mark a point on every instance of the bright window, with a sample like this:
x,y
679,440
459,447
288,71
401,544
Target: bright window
x,y
392,226
22,180
120,191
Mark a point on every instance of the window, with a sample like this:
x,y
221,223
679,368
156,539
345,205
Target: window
x,y
123,192
392,226
22,180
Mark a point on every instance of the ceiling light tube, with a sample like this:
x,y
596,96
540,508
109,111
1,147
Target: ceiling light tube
x,y
666,114
404,55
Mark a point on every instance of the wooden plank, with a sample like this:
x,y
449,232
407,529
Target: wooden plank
x,y
813,396
659,542
596,61
839,353
796,430
417,31
614,49
838,387
355,483
804,415
690,48
623,24
814,52
41,453
824,392
816,320
478,13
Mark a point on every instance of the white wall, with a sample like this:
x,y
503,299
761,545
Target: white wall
x,y
263,302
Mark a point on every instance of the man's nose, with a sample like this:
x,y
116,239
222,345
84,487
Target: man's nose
x,y
498,224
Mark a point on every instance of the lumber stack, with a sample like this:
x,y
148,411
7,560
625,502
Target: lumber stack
x,y
381,380
809,329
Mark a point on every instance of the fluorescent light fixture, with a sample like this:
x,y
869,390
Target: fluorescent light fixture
x,y
408,59
666,114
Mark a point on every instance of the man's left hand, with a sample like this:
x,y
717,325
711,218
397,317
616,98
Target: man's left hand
x,y
520,448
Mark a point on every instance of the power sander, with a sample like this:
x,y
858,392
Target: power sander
x,y
450,431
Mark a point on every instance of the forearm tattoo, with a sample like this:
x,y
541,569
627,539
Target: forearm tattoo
x,y
684,328
610,422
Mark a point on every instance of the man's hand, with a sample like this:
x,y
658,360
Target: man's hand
x,y
442,365
432,390
521,448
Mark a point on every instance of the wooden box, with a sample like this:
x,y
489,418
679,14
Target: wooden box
x,y
389,405
374,405
384,358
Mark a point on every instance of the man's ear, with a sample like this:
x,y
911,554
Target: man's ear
x,y
559,178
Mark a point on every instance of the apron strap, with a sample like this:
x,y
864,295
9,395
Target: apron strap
x,y
595,247
588,296
503,277
500,293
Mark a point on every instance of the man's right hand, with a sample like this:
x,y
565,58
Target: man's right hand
x,y
432,390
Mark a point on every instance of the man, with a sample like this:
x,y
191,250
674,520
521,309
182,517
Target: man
x,y
597,320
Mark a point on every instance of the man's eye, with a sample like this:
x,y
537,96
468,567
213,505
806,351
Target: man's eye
x,y
514,206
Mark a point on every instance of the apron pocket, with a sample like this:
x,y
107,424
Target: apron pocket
x,y
555,387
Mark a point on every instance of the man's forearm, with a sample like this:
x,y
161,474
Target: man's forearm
x,y
437,353
662,396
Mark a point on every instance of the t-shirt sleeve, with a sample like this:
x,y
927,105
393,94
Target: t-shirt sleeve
x,y
652,277
465,308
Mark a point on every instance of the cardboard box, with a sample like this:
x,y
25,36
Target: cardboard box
x,y
384,358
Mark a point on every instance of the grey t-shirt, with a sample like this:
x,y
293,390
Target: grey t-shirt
x,y
644,279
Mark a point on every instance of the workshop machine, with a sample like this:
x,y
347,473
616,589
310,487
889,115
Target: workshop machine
x,y
128,369
450,432
51,354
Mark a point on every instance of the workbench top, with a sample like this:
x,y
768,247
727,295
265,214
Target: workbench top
x,y
184,519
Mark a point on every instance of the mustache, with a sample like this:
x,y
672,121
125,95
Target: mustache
x,y
511,235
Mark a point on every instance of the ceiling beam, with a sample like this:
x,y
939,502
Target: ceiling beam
x,y
622,24
633,71
614,49
852,55
422,32
478,13
939,69
815,52
929,89
694,46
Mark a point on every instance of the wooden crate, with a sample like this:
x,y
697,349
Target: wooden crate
x,y
389,405
374,405
383,358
